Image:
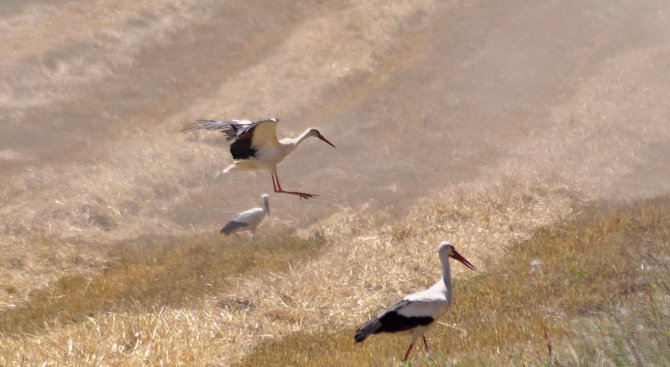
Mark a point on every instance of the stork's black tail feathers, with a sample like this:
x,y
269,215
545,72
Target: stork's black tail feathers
x,y
369,328
231,227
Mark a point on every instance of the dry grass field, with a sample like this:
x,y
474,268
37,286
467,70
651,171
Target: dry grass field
x,y
533,135
597,296
592,291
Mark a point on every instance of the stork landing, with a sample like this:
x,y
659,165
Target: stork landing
x,y
255,146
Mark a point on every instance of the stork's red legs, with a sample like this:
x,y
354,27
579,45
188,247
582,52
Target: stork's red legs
x,y
411,345
425,342
277,188
409,350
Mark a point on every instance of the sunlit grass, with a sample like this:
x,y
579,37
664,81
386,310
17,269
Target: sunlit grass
x,y
160,273
607,269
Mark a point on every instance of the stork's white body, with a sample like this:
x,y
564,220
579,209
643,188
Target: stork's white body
x,y
267,156
432,302
417,312
252,218
249,220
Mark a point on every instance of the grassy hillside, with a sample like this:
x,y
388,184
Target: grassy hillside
x,y
592,291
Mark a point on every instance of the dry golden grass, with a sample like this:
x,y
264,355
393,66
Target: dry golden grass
x,y
373,258
207,300
145,277
27,266
150,307
597,295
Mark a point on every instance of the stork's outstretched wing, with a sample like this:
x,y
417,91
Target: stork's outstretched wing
x,y
255,138
249,138
264,131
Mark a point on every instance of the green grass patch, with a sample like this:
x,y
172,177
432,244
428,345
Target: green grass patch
x,y
592,291
147,274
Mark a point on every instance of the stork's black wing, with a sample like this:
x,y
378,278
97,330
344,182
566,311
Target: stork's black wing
x,y
392,320
254,137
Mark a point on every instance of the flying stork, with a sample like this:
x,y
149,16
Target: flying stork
x,y
248,220
255,146
417,311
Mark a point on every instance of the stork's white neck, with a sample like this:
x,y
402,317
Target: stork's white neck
x,y
446,275
266,205
296,141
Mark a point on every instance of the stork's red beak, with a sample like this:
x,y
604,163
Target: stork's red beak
x,y
463,260
326,140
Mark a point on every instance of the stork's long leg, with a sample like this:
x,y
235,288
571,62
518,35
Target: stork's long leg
x,y
277,188
409,350
274,184
425,343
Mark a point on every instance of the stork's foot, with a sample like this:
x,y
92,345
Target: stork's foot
x,y
302,195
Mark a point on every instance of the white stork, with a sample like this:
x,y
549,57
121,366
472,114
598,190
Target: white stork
x,y
249,220
417,311
255,146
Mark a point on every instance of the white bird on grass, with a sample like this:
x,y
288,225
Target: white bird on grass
x,y
255,146
249,220
417,311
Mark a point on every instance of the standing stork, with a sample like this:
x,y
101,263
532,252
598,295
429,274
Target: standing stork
x,y
249,220
255,146
417,311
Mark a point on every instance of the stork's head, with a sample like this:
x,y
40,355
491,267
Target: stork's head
x,y
449,250
265,201
315,133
